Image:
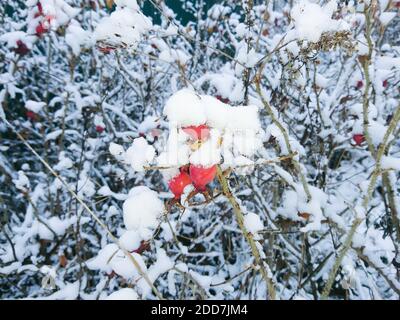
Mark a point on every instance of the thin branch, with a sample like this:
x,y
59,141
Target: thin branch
x,y
249,237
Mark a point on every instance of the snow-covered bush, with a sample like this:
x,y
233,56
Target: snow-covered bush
x,y
251,152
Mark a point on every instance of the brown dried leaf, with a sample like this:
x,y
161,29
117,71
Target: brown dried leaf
x,y
304,215
62,261
109,4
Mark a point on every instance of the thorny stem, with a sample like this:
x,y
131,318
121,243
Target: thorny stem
x,y
249,237
366,61
393,208
285,135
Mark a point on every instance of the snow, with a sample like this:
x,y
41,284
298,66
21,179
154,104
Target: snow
x,y
148,124
61,12
253,223
116,150
233,130
69,291
112,258
34,106
241,30
123,294
22,182
185,108
162,264
387,62
357,110
377,131
122,265
202,280
105,95
86,187
209,152
139,154
386,17
11,38
77,38
174,56
64,163
125,26
130,240
249,58
388,162
132,4
55,224
295,203
142,210
311,20
103,257
243,118
321,81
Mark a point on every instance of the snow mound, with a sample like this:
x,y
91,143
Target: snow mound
x,y
253,223
186,108
232,131
142,210
139,154
124,27
34,105
311,20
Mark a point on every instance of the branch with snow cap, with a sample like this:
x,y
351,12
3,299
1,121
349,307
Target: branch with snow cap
x,y
138,155
123,28
311,20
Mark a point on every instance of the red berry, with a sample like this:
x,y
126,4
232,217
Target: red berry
x,y
112,274
184,169
21,48
201,132
385,83
224,100
48,18
106,50
31,115
178,184
40,8
44,26
99,129
41,29
202,176
144,245
359,84
358,139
